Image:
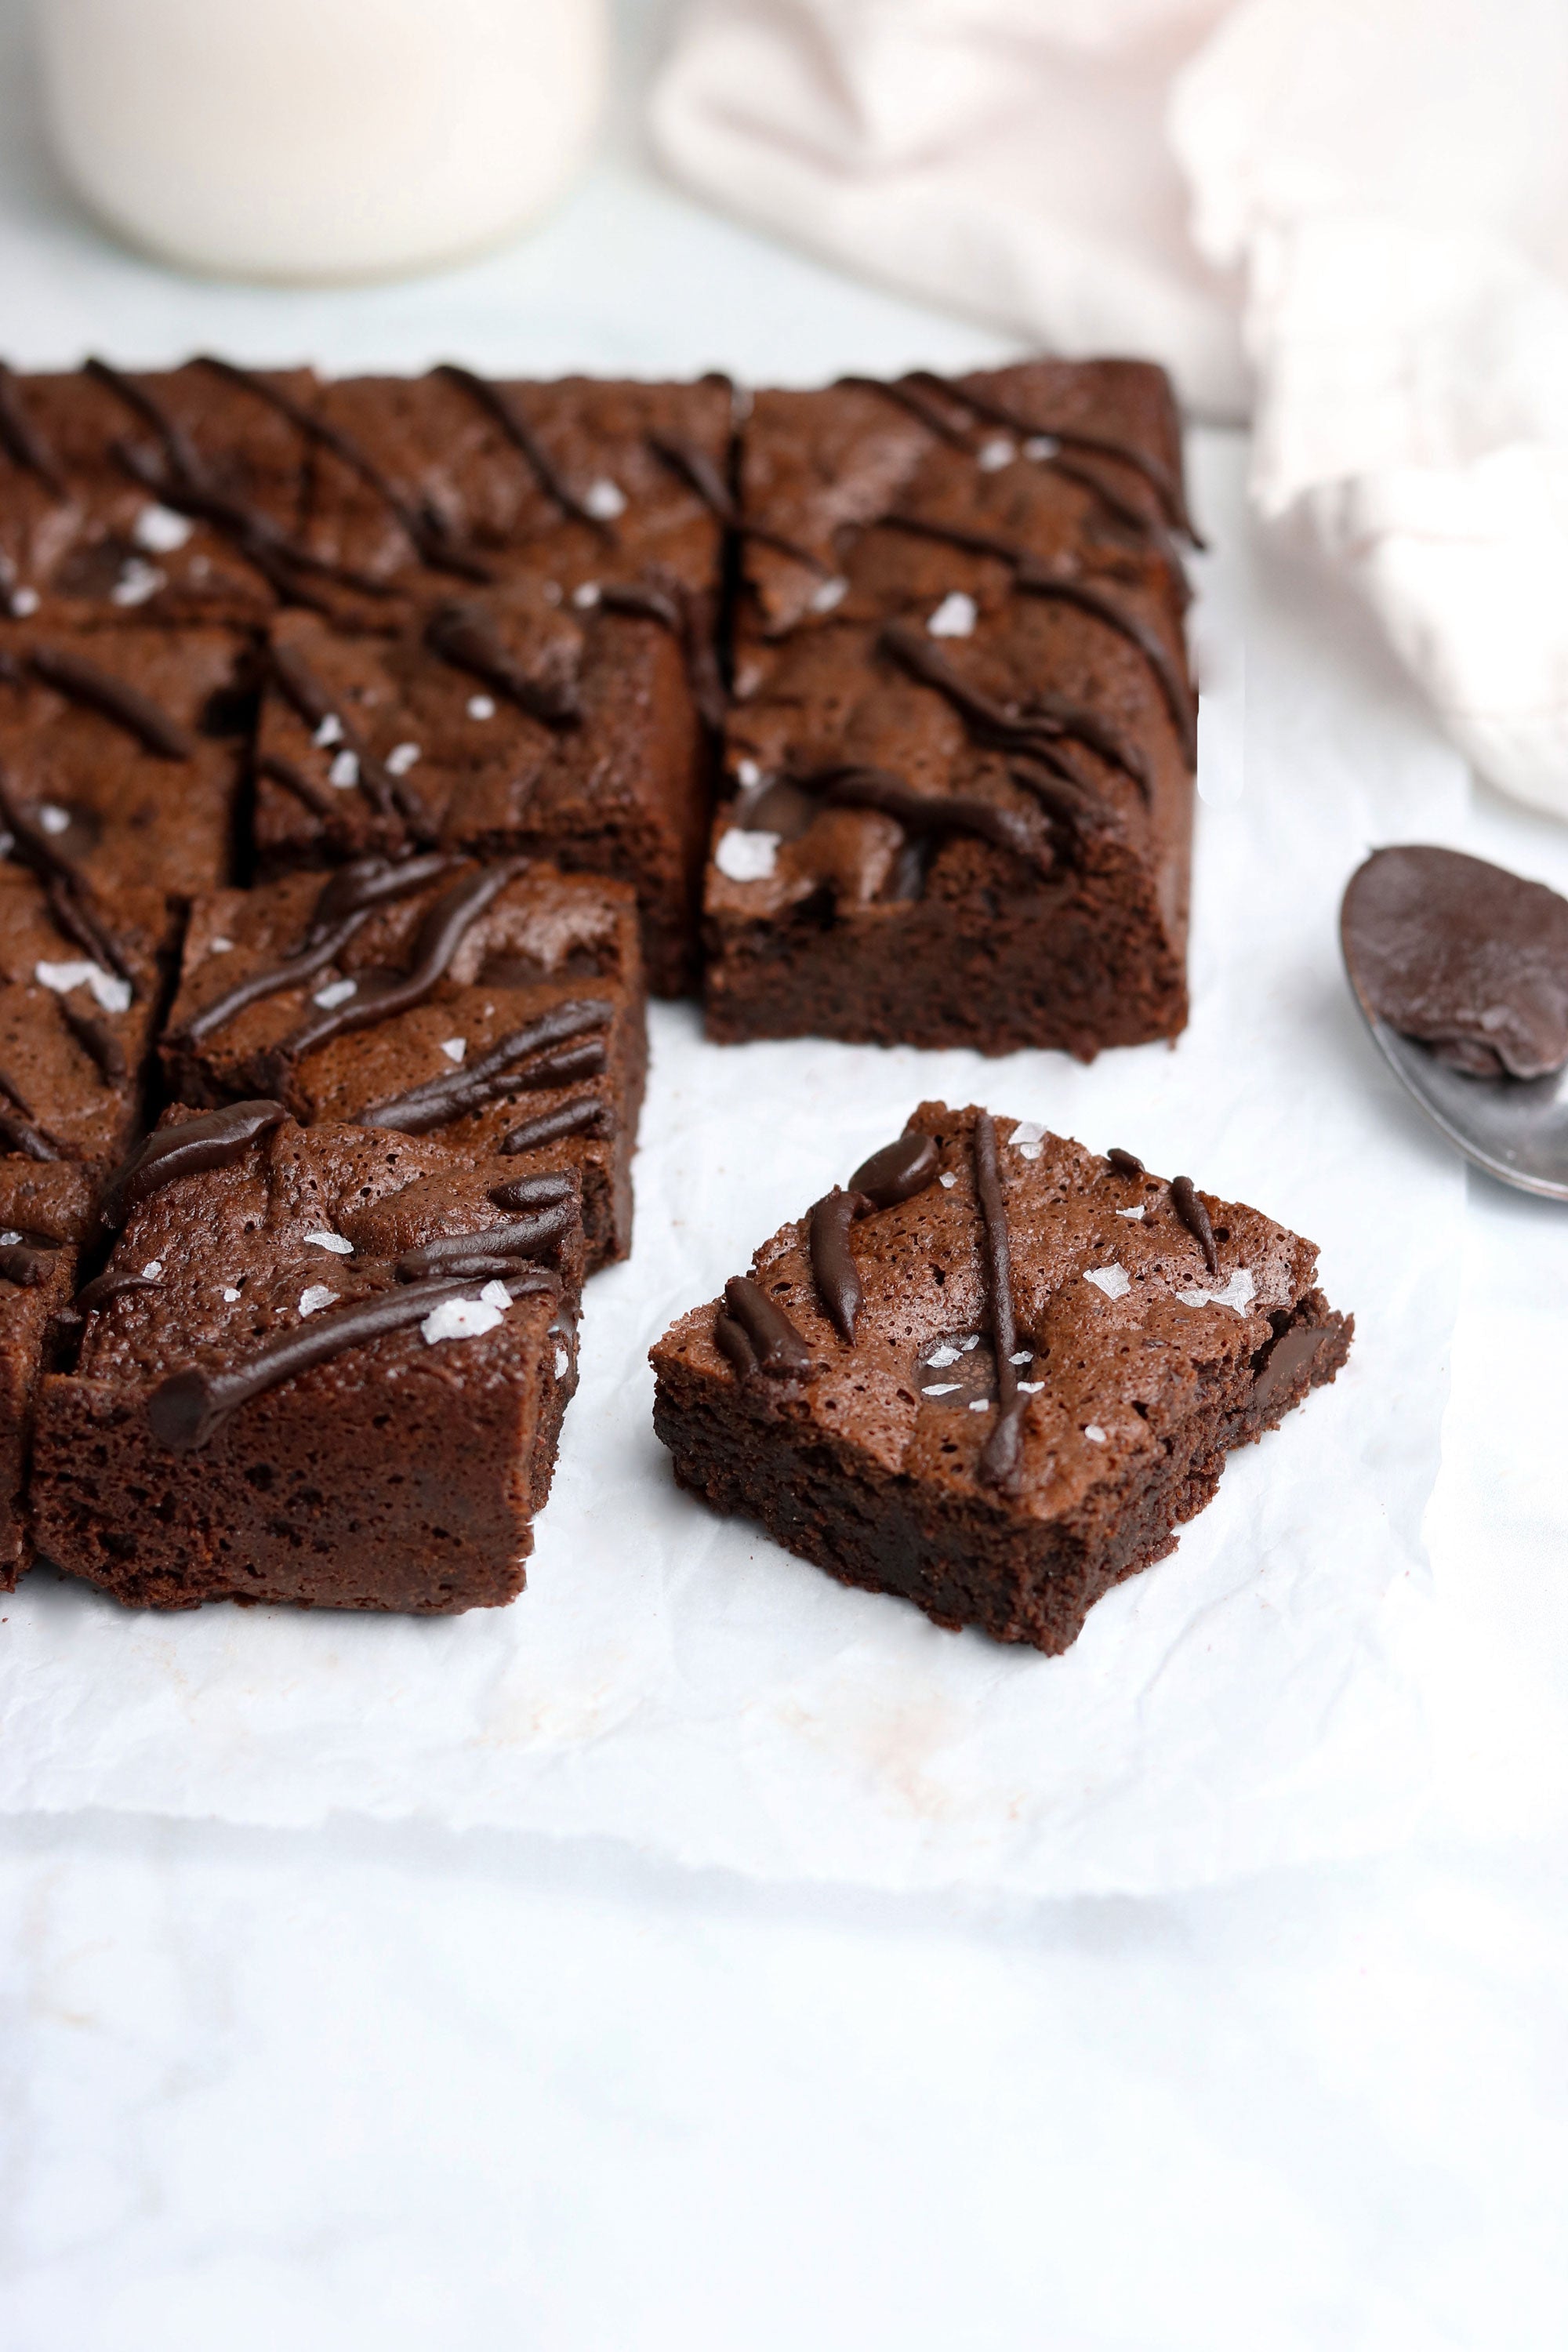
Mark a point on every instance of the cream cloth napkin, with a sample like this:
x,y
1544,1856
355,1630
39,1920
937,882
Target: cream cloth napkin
x,y
1357,207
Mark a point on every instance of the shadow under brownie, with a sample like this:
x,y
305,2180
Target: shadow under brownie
x,y
996,1373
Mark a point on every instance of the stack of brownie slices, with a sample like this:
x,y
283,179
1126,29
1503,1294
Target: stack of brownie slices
x,y
367,751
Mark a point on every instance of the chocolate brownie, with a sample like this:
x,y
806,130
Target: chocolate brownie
x,y
127,747
324,1367
82,976
151,497
497,1009
44,1212
995,1372
496,722
962,745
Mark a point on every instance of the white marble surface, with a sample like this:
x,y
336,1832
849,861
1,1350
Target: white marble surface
x,y
377,2088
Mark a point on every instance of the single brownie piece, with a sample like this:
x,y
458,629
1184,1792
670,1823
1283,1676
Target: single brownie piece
x,y
963,746
499,722
996,1373
497,1009
44,1213
169,497
324,1367
126,751
82,977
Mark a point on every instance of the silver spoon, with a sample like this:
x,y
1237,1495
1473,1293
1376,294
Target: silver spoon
x,y
1516,1129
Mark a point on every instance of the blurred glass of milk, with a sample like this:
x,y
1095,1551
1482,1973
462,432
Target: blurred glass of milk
x,y
321,139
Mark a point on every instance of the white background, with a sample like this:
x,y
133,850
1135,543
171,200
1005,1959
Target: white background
x,y
390,2086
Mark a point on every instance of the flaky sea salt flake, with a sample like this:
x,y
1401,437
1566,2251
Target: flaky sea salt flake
x,y
336,1243
317,1294
955,617
743,857
1238,1293
1114,1280
461,1318
111,993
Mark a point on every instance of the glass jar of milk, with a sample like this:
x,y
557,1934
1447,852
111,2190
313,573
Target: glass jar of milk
x,y
319,138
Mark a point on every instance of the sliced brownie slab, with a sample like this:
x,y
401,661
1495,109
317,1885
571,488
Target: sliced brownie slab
x,y
996,1373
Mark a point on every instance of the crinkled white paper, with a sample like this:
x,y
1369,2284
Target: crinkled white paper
x,y
676,1680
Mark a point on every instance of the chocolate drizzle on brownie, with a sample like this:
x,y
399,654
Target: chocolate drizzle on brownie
x,y
582,1115
1126,1163
1035,732
1196,1217
466,635
778,1347
189,1407
699,472
428,532
27,1262
19,1127
1032,577
98,1042
345,904
929,813
20,437
440,934
999,1456
897,1173
104,1289
493,1250
125,706
839,1285
217,1140
505,412
520,1063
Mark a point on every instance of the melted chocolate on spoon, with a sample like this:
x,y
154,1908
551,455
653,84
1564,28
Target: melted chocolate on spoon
x,y
1462,956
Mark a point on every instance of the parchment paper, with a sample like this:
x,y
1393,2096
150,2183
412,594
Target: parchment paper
x,y
676,1681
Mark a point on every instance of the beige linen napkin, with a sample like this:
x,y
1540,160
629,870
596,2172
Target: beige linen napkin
x,y
1368,197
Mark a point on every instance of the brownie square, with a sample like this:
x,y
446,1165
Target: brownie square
x,y
445,479
517,1041
996,1373
299,1386
497,722
150,497
960,756
44,1213
81,980
127,748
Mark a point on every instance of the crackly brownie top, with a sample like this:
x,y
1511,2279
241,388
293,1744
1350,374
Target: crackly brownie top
x,y
986,618
123,746
74,1027
495,710
248,1228
1467,957
438,994
138,495
1121,1294
573,480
